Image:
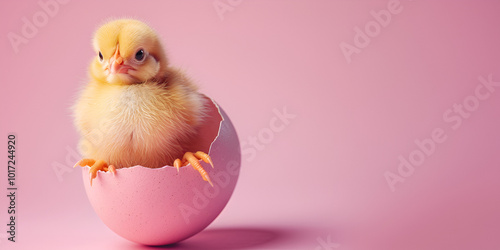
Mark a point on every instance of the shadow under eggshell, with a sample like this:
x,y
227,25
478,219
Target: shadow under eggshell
x,y
161,206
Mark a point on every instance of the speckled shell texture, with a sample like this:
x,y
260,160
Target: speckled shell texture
x,y
161,206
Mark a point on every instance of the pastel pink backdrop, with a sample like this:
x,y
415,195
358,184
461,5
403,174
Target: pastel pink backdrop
x,y
321,177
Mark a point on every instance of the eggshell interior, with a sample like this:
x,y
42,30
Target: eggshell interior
x,y
162,206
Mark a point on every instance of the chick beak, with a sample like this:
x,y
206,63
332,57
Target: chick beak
x,y
116,63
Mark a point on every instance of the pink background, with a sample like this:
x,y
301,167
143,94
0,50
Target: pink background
x,y
321,177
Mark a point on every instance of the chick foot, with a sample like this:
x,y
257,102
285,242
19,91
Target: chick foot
x,y
193,159
95,166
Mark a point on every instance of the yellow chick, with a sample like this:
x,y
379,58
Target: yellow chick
x,y
136,109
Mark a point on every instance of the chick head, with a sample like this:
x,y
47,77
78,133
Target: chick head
x,y
127,52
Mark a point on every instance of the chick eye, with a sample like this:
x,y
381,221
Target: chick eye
x,y
100,57
139,56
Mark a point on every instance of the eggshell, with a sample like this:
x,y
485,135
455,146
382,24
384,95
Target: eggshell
x,y
162,206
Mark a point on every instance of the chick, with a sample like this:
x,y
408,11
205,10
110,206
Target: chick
x,y
136,109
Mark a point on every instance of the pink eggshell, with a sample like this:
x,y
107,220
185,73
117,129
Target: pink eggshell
x,y
161,206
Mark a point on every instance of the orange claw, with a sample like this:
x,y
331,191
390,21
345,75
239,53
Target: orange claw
x,y
193,159
112,169
84,162
205,157
178,164
95,166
